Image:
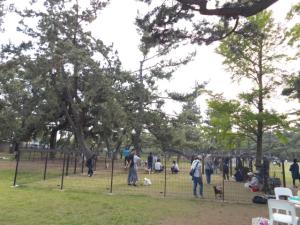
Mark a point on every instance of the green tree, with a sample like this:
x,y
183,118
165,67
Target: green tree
x,y
76,71
186,126
221,121
2,11
252,54
164,23
293,36
156,64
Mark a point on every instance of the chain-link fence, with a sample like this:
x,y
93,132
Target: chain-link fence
x,y
230,175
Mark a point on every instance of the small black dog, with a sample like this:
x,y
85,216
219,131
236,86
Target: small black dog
x,y
218,192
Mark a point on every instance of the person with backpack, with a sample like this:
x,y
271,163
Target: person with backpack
x,y
197,176
294,168
126,153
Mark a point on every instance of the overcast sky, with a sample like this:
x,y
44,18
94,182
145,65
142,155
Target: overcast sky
x,y
116,25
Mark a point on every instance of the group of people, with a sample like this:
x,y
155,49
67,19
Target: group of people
x,y
154,164
196,173
132,160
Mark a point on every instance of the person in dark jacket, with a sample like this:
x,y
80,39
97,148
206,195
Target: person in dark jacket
x,y
90,165
226,169
294,168
150,162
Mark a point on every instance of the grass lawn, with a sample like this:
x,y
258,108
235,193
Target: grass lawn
x,y
36,205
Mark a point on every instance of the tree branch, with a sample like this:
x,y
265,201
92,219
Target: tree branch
x,y
230,10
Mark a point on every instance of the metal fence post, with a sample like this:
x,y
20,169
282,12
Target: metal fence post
x,y
17,166
68,162
230,166
283,173
203,161
112,172
75,163
45,168
223,183
82,163
63,173
165,185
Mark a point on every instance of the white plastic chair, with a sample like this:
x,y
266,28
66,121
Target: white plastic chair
x,y
282,191
282,211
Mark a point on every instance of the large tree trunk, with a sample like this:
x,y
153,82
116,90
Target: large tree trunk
x,y
73,118
53,139
260,125
78,131
52,143
136,138
259,140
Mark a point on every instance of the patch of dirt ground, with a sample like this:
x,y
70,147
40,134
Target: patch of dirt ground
x,y
223,214
7,164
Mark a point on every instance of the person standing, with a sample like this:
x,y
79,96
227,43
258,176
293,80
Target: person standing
x,y
226,169
197,176
90,165
150,162
208,168
133,166
154,160
294,168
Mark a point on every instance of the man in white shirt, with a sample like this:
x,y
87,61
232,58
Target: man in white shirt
x,y
174,167
158,167
197,176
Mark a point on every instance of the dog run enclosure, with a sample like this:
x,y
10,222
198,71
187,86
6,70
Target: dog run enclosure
x,y
66,169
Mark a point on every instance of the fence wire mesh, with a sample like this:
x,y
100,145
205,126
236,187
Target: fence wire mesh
x,y
66,169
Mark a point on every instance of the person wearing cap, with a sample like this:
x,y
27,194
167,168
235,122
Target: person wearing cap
x,y
197,176
253,184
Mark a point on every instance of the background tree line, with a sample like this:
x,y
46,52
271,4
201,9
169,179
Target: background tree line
x,y
65,87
